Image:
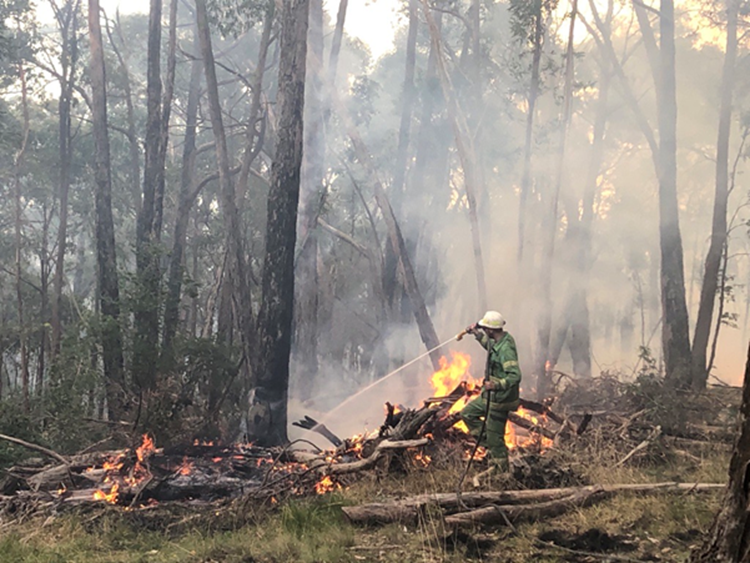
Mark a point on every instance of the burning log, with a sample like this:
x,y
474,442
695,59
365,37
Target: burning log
x,y
486,507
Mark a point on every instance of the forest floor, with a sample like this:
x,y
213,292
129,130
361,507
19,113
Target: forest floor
x,y
626,527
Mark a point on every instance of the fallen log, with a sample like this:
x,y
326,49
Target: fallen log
x,y
408,510
501,514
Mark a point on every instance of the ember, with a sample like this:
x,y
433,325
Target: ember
x,y
326,485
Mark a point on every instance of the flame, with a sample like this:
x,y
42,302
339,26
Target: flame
x,y
186,468
448,377
326,485
422,459
216,459
110,497
481,453
62,490
145,449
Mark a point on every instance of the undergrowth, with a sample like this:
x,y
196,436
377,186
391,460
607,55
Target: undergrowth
x,y
314,529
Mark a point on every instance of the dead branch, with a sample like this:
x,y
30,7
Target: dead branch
x,y
537,502
35,447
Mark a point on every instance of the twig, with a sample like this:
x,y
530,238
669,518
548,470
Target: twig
x,y
35,447
603,556
642,446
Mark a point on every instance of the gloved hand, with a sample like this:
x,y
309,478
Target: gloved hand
x,y
494,385
472,329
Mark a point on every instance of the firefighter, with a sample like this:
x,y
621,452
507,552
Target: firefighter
x,y
502,378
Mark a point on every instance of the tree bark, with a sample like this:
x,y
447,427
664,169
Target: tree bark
x,y
109,291
276,310
719,223
729,538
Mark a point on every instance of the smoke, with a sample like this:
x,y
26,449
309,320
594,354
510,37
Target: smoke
x,y
362,342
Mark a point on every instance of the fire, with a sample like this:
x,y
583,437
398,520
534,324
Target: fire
x,y
326,485
186,468
422,458
110,497
450,375
145,449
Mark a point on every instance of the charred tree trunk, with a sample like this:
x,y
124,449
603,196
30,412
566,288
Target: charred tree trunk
x,y
109,291
145,345
719,224
275,316
729,539
67,20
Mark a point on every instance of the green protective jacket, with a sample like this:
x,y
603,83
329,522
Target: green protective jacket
x,y
503,371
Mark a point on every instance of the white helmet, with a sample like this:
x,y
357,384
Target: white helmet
x,y
492,320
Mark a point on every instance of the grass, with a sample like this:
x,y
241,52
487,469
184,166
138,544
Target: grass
x,y
314,530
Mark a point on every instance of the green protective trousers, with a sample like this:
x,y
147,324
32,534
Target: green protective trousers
x,y
494,435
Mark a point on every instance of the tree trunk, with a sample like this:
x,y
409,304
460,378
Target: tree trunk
x,y
145,345
390,271
176,258
529,136
276,310
545,273
109,291
134,172
67,19
467,154
396,239
166,110
729,538
719,224
580,332
234,282
312,192
675,331
18,164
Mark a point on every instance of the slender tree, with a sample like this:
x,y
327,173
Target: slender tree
x,y
106,258
66,17
719,223
276,310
